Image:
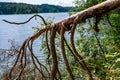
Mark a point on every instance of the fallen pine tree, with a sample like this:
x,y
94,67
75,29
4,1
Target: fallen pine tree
x,y
60,27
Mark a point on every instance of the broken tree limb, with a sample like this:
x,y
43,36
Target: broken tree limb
x,y
79,17
98,9
66,24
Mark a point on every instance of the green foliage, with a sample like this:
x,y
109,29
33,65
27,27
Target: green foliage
x,y
21,8
83,4
101,50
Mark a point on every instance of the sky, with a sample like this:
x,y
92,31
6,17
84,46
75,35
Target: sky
x,y
38,2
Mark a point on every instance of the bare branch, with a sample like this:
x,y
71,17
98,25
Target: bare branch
x,y
26,21
59,27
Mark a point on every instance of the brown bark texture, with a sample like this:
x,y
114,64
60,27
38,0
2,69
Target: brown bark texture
x,y
59,27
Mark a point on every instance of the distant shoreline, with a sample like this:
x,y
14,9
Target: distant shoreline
x,y
22,8
34,13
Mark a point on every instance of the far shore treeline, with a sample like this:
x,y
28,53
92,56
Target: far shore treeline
x,y
22,8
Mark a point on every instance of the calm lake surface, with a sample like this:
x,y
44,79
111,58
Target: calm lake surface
x,y
20,32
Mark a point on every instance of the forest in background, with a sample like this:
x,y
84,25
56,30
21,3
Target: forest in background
x,y
22,8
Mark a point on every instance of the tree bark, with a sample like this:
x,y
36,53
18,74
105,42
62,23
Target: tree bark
x,y
98,9
67,24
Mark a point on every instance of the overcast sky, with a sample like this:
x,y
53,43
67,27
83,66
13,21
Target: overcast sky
x,y
55,2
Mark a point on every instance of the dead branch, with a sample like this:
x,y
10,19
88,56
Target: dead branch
x,y
62,32
60,27
19,23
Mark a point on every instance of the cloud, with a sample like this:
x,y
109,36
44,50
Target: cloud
x,y
69,3
6,0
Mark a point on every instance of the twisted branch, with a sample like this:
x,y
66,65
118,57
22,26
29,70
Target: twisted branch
x,y
80,58
62,32
61,27
19,23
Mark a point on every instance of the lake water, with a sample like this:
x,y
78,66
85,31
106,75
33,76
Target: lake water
x,y
20,32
